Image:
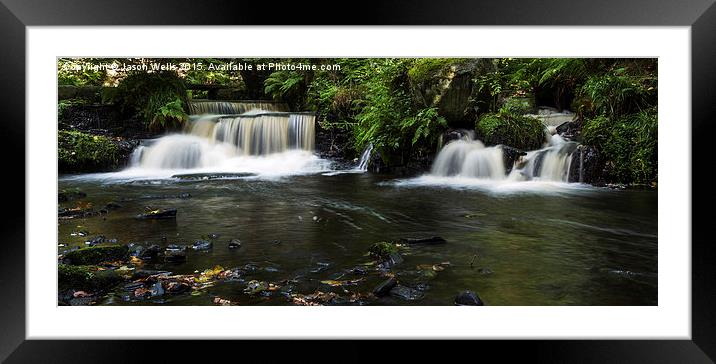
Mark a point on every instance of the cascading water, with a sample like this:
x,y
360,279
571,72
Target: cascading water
x,y
364,158
256,141
201,107
469,159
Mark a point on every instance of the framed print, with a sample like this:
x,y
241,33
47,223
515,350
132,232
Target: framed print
x,y
251,181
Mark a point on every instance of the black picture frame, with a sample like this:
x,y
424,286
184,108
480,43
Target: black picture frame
x,y
16,15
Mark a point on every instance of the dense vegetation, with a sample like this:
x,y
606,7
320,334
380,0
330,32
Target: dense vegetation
x,y
403,106
78,151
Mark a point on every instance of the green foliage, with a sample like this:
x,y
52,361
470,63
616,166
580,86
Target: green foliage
x,y
71,72
517,131
63,105
79,151
97,254
629,145
84,277
382,250
616,93
145,94
169,116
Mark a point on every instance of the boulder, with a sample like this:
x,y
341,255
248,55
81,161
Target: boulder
x,y
468,298
586,165
86,277
202,245
384,288
406,293
234,244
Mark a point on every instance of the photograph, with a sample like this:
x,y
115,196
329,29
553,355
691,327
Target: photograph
x,y
357,181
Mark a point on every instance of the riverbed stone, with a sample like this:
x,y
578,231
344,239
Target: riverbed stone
x,y
234,244
406,293
384,288
433,240
468,298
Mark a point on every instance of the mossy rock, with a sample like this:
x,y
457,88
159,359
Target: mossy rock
x,y
86,278
82,152
521,132
382,250
97,254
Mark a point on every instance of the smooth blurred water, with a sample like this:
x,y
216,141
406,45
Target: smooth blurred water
x,y
545,244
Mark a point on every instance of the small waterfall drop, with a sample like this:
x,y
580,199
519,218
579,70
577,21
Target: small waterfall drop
x,y
465,158
364,158
469,159
202,107
257,141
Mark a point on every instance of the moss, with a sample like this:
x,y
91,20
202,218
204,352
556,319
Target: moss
x,y
97,254
86,277
78,152
425,68
382,250
521,132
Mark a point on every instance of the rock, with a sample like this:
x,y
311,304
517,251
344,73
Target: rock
x,y
586,166
468,298
99,239
175,254
86,277
395,259
382,250
177,287
384,288
509,156
254,287
112,206
65,196
234,244
96,255
144,273
406,293
202,245
214,236
430,241
159,214
150,253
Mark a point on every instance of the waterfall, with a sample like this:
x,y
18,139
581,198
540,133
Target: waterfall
x,y
465,158
469,159
201,107
551,163
364,158
226,141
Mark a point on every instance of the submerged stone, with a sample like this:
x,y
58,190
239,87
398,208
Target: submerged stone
x,y
159,214
385,287
468,298
234,244
434,240
406,293
202,245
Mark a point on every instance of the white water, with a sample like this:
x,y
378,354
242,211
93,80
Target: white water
x,y
266,144
365,158
469,164
469,159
